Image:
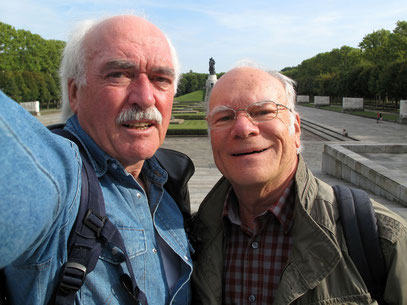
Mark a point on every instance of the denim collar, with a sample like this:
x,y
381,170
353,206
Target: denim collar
x,y
101,160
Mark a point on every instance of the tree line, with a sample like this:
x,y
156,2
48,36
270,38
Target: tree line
x,y
377,69
29,66
193,81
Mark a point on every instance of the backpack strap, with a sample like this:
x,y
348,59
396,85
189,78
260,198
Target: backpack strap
x,y
362,237
91,230
3,288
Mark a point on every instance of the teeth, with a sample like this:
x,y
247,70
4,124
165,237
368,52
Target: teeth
x,y
139,125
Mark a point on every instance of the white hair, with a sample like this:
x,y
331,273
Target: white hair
x,y
288,83
73,63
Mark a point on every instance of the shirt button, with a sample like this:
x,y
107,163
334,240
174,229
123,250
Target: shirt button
x,y
138,195
252,298
114,165
154,250
255,245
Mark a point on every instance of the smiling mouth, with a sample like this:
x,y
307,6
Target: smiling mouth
x,y
140,126
250,153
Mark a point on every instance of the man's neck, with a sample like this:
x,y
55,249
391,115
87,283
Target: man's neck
x,y
135,171
255,200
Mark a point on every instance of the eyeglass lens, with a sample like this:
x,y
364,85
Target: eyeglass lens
x,y
259,112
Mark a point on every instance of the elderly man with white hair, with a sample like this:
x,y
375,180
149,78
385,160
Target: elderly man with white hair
x,y
118,76
269,232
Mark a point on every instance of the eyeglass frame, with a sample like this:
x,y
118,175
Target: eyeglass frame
x,y
224,107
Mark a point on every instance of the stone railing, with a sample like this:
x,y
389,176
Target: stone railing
x,y
350,163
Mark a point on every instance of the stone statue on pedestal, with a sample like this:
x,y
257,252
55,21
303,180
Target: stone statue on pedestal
x,y
211,66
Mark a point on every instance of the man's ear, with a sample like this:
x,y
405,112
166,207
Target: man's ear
x,y
297,130
72,92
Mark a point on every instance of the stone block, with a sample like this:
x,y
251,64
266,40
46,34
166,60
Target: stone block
x,y
32,107
321,100
352,103
403,109
302,99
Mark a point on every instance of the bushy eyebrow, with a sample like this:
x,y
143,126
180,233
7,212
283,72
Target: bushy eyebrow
x,y
164,71
219,109
118,64
124,64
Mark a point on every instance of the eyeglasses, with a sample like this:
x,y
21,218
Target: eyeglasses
x,y
224,116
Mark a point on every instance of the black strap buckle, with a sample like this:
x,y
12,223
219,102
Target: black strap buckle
x,y
73,277
95,222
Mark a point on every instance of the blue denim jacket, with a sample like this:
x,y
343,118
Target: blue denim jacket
x,y
39,197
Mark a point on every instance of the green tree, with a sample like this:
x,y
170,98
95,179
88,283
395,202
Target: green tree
x,y
9,86
32,61
399,41
376,47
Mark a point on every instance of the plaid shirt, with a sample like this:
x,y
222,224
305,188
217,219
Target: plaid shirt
x,y
256,258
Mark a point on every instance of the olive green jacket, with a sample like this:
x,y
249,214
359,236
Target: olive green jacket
x,y
319,269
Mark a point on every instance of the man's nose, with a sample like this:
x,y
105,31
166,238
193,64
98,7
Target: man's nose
x,y
141,91
244,126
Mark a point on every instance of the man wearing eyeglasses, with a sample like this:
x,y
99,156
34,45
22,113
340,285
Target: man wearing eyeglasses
x,y
267,230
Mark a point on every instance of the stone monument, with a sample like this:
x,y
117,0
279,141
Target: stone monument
x,y
302,99
352,103
403,111
32,107
212,79
321,100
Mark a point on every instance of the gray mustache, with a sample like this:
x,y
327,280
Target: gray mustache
x,y
137,114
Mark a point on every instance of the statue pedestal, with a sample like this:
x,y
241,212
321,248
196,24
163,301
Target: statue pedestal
x,y
210,82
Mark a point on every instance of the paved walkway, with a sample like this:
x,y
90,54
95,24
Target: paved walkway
x,y
363,129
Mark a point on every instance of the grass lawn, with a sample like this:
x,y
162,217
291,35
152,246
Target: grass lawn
x,y
196,96
190,124
189,127
190,116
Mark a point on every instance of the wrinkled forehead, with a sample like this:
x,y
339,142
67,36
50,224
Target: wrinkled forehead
x,y
130,30
242,87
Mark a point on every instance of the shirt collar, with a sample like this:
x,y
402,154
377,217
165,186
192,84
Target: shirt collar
x,y
101,160
281,209
97,156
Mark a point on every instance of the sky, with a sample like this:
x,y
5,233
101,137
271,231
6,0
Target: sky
x,y
274,34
